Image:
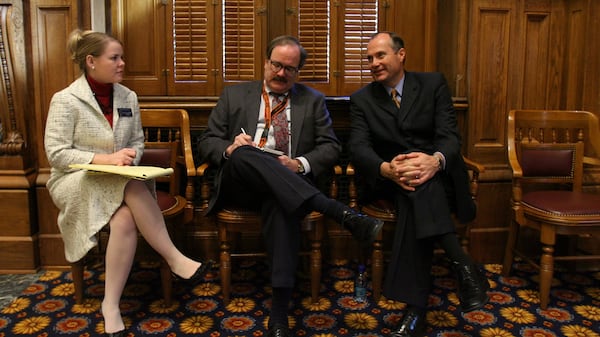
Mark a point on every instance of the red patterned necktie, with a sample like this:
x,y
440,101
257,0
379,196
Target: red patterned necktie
x,y
280,123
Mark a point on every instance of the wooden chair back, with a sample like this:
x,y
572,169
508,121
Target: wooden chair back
x,y
554,126
547,151
168,144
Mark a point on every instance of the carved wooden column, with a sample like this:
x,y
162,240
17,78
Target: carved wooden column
x,y
18,226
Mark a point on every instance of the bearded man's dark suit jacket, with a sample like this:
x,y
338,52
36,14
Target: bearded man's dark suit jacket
x,y
425,122
269,186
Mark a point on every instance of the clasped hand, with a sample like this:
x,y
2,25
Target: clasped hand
x,y
412,169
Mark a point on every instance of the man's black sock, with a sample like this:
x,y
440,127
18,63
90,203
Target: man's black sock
x,y
330,207
279,306
453,249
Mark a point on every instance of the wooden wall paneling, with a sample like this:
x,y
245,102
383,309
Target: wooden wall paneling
x,y
489,59
282,17
452,33
140,25
52,70
416,23
575,47
535,76
489,56
51,246
489,231
19,239
591,82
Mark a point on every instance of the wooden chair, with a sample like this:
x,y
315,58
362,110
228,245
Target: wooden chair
x,y
232,221
547,151
384,210
167,144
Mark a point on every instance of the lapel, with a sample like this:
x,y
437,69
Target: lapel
x,y
251,106
298,112
383,100
409,95
81,89
120,100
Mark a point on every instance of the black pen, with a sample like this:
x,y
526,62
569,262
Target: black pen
x,y
244,131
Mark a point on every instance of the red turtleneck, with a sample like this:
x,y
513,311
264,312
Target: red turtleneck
x,y
104,95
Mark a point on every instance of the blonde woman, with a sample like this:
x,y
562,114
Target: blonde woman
x,y
96,120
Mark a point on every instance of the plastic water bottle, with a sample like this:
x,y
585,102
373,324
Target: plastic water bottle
x,y
360,285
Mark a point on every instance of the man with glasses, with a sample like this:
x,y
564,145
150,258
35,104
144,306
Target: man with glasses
x,y
270,140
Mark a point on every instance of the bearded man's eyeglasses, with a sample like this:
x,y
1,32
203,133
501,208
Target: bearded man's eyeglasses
x,y
277,66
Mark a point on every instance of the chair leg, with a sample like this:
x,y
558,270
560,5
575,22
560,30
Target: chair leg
x,y
77,275
315,269
166,280
225,265
377,268
546,274
511,242
548,240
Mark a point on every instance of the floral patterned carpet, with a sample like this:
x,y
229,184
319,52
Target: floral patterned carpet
x,y
46,308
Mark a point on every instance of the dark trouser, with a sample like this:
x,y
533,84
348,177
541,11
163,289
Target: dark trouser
x,y
253,179
421,215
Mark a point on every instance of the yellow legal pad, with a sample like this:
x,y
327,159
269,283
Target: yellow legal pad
x,y
135,172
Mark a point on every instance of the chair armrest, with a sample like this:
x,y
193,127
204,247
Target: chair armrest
x,y
475,168
473,165
513,161
201,172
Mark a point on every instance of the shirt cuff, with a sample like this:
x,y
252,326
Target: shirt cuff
x,y
305,164
441,158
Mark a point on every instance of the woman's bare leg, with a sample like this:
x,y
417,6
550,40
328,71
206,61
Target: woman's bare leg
x,y
151,224
120,251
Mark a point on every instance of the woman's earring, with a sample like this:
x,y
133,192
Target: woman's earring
x,y
93,68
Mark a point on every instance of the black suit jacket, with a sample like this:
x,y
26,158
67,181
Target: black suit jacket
x,y
425,122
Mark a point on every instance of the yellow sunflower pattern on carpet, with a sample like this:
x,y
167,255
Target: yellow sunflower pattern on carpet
x,y
46,307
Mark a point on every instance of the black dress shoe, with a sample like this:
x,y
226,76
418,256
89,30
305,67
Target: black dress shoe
x,y
279,330
121,333
411,325
198,274
362,227
472,286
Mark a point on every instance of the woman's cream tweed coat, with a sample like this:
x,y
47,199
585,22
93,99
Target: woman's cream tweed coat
x,y
76,129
